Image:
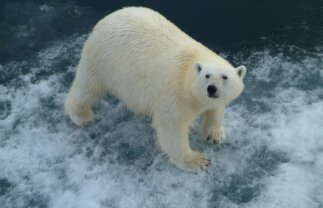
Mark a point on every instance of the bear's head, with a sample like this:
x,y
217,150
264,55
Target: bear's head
x,y
217,84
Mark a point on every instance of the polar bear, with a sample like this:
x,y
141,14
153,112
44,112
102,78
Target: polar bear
x,y
155,69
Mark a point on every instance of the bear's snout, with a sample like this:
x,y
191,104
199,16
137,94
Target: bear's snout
x,y
211,90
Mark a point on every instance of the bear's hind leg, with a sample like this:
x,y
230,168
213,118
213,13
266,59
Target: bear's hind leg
x,y
173,140
85,91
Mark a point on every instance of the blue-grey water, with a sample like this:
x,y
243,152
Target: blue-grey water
x,y
272,157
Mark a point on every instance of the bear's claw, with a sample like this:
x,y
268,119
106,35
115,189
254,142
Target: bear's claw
x,y
208,163
214,141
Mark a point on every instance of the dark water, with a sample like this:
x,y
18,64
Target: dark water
x,y
273,156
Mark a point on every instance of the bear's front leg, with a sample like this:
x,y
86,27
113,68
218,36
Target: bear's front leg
x,y
173,140
212,128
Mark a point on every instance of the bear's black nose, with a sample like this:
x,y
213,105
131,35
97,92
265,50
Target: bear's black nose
x,y
211,89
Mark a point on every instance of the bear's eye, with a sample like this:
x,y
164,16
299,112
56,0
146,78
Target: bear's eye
x,y
207,76
224,77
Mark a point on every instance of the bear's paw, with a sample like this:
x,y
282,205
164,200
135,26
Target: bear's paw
x,y
195,162
215,135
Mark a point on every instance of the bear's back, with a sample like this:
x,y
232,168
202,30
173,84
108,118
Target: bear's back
x,y
135,51
145,26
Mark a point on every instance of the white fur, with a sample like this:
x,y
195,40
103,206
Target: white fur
x,y
143,59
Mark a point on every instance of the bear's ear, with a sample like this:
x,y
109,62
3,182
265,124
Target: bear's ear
x,y
241,70
198,67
